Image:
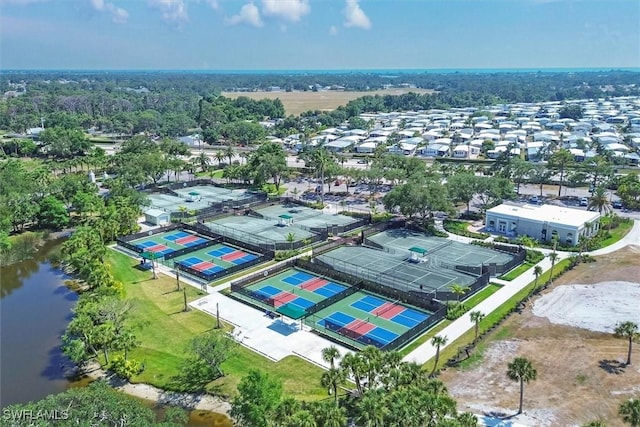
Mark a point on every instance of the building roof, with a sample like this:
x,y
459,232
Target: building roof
x,y
549,213
155,212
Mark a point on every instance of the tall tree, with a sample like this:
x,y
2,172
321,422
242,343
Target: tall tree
x,y
600,200
258,396
330,355
628,330
476,317
559,162
438,341
521,370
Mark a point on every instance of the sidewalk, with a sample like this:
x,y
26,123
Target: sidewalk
x,y
463,324
274,339
460,326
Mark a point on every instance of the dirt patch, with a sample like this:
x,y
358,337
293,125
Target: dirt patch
x,y
597,307
581,375
299,102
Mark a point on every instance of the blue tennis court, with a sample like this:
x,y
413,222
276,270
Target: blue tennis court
x,y
382,335
177,235
302,303
191,261
269,290
338,318
221,251
329,290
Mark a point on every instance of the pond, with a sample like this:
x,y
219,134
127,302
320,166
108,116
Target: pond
x,y
35,308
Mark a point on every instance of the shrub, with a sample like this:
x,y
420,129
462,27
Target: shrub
x,y
282,255
533,256
455,310
125,368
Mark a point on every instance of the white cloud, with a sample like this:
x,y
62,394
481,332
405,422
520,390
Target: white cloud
x,y
289,10
355,16
173,11
249,14
118,14
213,3
333,30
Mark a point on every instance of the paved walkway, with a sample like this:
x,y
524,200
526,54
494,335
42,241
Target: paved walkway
x,y
460,326
274,339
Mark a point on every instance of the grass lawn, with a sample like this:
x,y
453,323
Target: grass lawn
x,y
164,330
461,228
210,174
471,302
512,274
617,233
491,319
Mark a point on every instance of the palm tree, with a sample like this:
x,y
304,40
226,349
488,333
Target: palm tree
x,y
600,200
438,341
295,192
523,371
630,412
229,152
459,290
628,330
203,161
219,156
553,256
371,410
537,271
328,415
332,379
330,354
302,418
291,237
285,410
353,365
476,317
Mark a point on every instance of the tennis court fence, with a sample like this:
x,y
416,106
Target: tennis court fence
x,y
210,277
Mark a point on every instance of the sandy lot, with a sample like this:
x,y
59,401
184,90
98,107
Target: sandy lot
x,y
581,376
299,102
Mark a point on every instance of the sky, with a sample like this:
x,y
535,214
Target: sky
x,y
318,34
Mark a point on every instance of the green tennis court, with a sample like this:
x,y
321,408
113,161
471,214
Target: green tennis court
x,y
391,269
446,250
364,318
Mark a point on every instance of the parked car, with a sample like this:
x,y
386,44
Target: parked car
x,y
534,200
584,202
617,204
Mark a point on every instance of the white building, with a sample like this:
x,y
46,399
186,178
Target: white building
x,y
543,222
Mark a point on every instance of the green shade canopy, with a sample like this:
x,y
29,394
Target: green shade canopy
x,y
285,216
291,311
194,193
149,255
418,250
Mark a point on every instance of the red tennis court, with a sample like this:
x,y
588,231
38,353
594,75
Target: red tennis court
x,y
388,310
204,265
233,256
313,284
184,240
158,248
282,298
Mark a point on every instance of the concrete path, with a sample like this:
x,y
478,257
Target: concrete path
x,y
274,339
460,326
